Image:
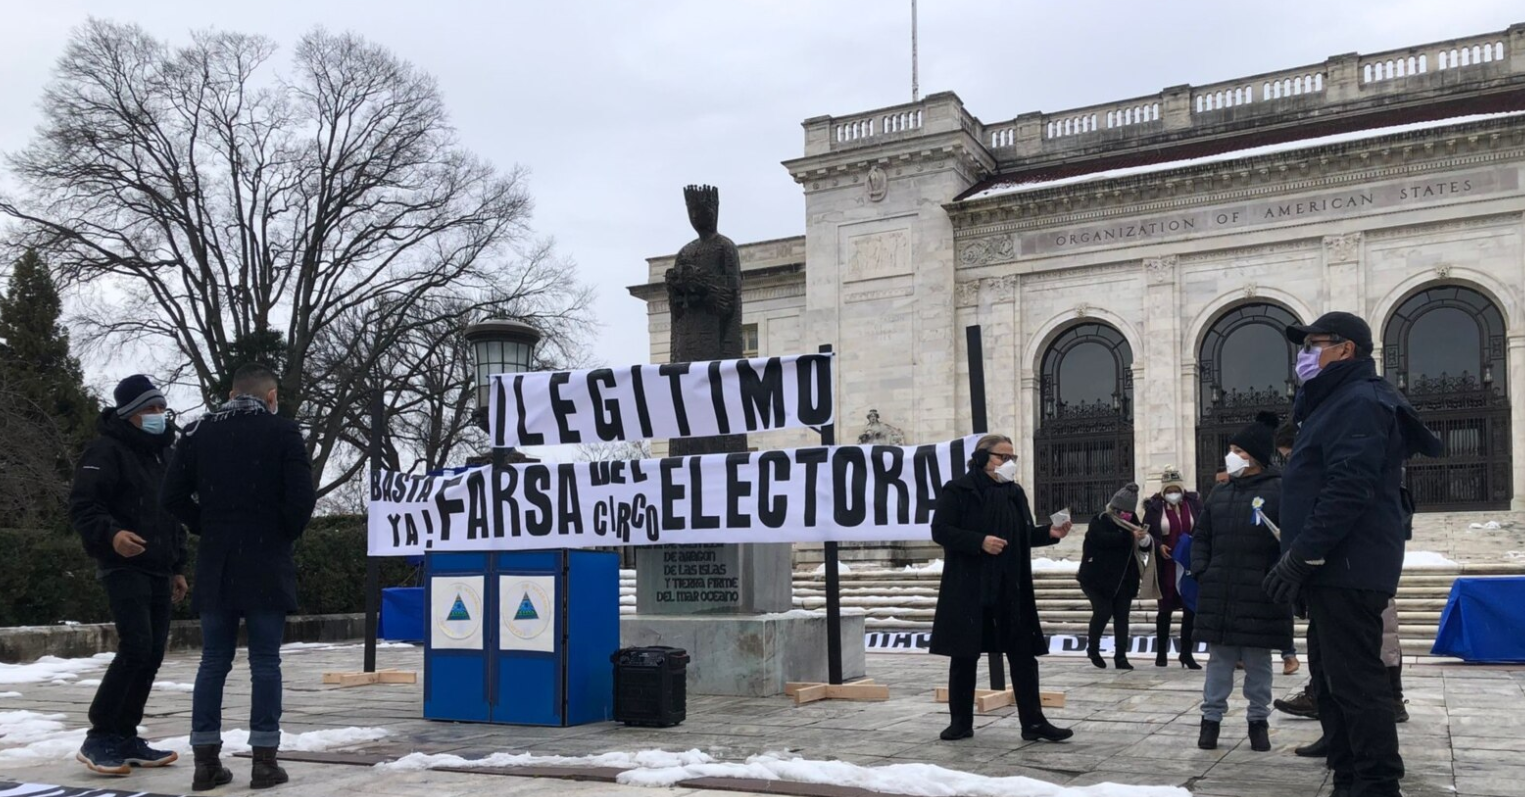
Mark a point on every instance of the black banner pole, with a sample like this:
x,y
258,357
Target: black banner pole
x,y
980,425
372,564
833,579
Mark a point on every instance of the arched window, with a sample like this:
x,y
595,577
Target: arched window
x,y
1244,365
1084,443
1444,348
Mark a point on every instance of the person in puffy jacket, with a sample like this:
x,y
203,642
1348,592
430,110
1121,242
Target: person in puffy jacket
x,y
1235,545
139,551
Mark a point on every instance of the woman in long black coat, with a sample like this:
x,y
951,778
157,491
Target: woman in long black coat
x,y
986,603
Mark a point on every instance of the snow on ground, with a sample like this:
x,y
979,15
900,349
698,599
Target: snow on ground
x,y
934,566
820,569
1249,152
10,694
1425,559
31,739
662,769
1045,565
1492,525
52,670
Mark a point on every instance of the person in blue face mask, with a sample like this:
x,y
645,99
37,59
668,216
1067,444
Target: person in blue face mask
x,y
139,550
1342,538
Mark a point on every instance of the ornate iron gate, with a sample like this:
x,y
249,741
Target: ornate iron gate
x,y
1468,411
1084,442
1245,365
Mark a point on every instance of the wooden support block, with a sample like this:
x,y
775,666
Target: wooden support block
x,y
858,691
811,693
990,701
940,694
1051,699
388,676
794,686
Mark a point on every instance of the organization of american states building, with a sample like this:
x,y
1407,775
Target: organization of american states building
x,y
1132,265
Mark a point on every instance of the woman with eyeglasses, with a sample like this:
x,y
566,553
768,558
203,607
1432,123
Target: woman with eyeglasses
x,y
986,602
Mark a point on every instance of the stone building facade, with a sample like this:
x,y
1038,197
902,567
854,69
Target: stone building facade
x,y
1130,265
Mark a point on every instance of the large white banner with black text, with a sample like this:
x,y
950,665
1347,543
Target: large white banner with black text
x,y
841,493
703,399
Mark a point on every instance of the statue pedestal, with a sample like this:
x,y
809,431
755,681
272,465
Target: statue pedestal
x,y
713,579
749,655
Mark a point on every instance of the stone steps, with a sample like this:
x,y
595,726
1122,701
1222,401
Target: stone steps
x,y
906,600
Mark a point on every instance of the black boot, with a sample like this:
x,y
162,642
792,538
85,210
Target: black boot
x,y
1260,736
1188,625
1046,731
1395,677
210,773
1162,640
1121,662
958,729
1207,737
1096,659
1319,749
266,772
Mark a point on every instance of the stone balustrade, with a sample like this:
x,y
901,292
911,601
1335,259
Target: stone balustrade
x,y
1350,81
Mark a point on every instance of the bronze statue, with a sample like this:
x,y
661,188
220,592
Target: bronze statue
x,y
704,291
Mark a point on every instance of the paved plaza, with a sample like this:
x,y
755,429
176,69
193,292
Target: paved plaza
x,y
1467,735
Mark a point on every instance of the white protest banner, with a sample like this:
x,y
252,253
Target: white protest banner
x,y
702,399
1058,644
841,493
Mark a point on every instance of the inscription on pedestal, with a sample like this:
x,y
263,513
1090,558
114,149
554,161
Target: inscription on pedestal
x,y
698,578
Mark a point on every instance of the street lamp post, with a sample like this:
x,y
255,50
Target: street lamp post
x,y
498,346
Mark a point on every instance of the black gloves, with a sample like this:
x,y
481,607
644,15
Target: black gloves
x,y
1286,579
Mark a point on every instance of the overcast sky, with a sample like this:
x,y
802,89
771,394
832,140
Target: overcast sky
x,y
615,105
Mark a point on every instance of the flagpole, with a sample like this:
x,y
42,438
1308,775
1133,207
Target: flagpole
x,y
915,83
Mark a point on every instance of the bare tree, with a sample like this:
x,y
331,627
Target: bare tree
x,y
331,205
613,452
32,493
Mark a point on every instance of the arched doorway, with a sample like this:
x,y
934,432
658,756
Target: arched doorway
x,y
1245,365
1444,348
1084,443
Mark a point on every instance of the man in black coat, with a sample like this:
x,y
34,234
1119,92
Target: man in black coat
x,y
1342,538
139,550
241,478
986,601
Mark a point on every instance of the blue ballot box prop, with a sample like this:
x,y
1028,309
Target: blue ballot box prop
x,y
1484,621
521,638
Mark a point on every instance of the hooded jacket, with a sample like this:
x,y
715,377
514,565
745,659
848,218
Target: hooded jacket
x,y
1342,500
116,488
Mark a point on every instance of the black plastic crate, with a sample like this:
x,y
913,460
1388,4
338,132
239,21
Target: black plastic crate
x,y
650,686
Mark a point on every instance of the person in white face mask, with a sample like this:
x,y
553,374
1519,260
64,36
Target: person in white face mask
x,y
986,602
1170,515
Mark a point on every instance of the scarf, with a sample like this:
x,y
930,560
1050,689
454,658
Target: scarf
x,y
243,403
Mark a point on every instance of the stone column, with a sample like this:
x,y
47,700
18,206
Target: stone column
x,y
1517,417
1343,281
1156,400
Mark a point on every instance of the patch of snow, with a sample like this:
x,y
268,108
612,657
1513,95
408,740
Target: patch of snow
x,y
91,682
1045,565
934,566
171,686
820,569
627,573
1492,525
1249,152
662,769
793,613
68,622
9,694
51,669
299,646
1426,559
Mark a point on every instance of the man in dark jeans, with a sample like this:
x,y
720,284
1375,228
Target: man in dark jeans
x,y
241,478
139,550
1342,520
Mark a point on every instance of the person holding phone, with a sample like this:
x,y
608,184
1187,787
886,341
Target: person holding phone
x,y
985,601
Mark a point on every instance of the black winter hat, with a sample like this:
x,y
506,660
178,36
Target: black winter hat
x,y
1347,326
1256,439
134,393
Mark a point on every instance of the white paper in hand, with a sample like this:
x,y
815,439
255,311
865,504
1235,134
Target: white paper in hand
x,y
1060,518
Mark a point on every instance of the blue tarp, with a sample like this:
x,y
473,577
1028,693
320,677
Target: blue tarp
x,y
1484,621
402,614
